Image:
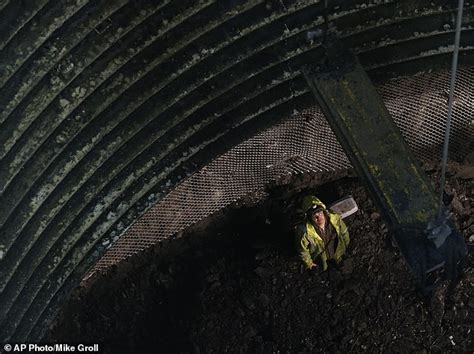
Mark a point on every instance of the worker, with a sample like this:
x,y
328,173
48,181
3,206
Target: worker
x,y
323,237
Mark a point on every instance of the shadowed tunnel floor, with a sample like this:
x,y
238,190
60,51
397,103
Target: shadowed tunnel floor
x,y
241,289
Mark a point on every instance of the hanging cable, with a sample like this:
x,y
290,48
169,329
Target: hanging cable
x,y
452,85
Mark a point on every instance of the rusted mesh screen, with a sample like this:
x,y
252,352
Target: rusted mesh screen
x,y
302,143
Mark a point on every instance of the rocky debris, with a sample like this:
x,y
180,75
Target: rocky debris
x,y
228,295
462,171
264,272
375,216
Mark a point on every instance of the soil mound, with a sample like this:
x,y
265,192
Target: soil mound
x,y
241,288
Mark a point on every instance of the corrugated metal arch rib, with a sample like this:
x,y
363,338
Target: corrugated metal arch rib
x,y
139,95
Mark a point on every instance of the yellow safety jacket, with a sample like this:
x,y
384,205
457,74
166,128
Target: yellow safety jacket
x,y
310,244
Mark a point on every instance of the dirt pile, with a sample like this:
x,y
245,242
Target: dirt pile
x,y
242,289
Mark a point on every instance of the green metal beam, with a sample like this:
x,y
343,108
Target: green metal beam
x,y
372,141
380,155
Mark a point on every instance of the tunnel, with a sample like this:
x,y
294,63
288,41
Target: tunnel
x,y
115,115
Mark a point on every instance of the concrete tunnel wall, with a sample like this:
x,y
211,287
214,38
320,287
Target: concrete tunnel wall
x,y
104,103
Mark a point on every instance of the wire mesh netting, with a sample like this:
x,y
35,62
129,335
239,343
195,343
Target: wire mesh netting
x,y
303,143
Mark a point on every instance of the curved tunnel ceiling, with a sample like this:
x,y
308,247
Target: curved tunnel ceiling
x,y
105,102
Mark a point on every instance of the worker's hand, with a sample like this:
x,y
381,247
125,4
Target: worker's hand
x,y
312,269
